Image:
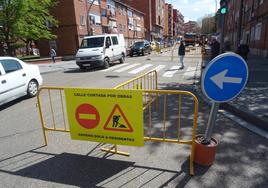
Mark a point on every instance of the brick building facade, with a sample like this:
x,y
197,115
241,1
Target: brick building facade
x,y
168,29
190,27
254,25
178,21
104,16
154,16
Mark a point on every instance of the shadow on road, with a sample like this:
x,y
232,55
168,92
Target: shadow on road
x,y
85,171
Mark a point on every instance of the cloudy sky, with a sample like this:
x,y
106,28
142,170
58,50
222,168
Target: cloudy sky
x,y
194,9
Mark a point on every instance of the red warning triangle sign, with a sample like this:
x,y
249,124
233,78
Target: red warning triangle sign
x,y
117,121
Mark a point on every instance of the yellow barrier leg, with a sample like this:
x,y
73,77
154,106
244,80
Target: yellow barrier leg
x,y
114,150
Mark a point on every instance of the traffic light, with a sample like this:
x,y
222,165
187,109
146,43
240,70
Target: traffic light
x,y
223,9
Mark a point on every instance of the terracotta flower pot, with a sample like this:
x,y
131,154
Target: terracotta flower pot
x,y
205,154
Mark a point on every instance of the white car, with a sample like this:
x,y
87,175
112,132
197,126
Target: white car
x,y
101,51
18,79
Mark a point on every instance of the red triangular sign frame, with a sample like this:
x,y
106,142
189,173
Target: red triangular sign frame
x,y
124,117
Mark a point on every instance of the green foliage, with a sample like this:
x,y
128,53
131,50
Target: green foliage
x,y
34,25
25,20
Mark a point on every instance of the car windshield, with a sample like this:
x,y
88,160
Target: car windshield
x,y
95,42
138,44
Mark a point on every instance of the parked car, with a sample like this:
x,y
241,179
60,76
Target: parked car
x,y
18,79
140,48
101,50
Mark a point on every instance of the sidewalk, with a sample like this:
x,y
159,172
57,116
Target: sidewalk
x,y
252,103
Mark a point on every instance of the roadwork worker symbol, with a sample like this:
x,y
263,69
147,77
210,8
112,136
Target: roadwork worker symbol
x,y
117,121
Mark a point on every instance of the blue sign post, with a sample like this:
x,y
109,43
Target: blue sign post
x,y
223,79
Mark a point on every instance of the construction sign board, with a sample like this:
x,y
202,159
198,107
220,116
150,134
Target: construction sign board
x,y
105,115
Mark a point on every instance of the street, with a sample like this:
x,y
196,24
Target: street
x,y
241,159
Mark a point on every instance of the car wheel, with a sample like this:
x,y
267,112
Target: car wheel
x,y
122,60
106,63
32,88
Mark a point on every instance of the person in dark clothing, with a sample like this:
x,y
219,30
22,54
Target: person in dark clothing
x,y
181,53
215,48
243,51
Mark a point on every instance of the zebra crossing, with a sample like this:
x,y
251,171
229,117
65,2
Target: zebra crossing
x,y
166,71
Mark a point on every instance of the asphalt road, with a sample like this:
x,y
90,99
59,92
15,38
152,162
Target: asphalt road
x,y
241,160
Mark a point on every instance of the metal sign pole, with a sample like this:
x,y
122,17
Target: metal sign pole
x,y
211,122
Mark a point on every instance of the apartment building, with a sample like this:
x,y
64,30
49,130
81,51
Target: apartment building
x,y
153,18
253,26
168,29
190,27
180,23
130,22
78,18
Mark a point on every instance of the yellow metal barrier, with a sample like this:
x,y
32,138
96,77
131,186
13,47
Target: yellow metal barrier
x,y
145,81
51,102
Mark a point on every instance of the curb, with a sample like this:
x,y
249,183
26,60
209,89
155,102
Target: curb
x,y
247,116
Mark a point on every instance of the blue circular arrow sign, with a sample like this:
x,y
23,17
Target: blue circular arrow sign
x,y
225,77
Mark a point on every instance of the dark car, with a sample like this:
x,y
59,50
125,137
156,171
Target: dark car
x,y
140,48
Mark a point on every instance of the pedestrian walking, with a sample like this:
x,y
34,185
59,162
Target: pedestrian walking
x,y
181,53
215,48
53,54
243,51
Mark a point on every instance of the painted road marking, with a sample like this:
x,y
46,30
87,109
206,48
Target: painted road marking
x,y
135,71
190,72
170,73
127,68
115,67
159,67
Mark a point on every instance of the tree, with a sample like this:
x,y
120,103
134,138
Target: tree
x,y
10,13
25,20
36,25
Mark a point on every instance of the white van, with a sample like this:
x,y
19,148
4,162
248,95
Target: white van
x,y
101,50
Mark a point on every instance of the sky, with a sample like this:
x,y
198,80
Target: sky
x,y
194,9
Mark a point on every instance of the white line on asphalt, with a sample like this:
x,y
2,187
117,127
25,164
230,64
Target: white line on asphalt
x,y
114,67
170,73
135,71
128,67
159,67
190,72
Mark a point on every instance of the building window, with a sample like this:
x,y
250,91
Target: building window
x,y
103,12
120,28
82,20
129,13
124,11
252,33
112,23
258,31
95,2
95,19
